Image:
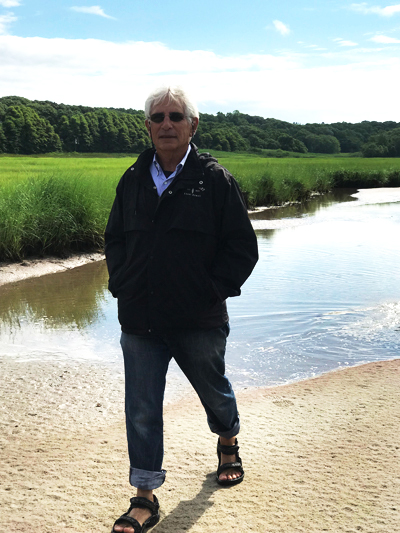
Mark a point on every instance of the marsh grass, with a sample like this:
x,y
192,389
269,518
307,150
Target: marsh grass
x,y
50,215
53,208
278,181
59,205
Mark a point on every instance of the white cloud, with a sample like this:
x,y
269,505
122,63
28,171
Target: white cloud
x,y
10,3
391,10
92,10
342,42
105,74
281,28
314,47
5,21
383,39
387,11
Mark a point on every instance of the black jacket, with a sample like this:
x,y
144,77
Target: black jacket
x,y
174,260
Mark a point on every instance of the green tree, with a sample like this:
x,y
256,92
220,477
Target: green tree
x,y
322,144
65,134
108,132
124,142
92,121
52,142
12,127
27,133
205,141
287,142
2,140
372,149
394,142
349,140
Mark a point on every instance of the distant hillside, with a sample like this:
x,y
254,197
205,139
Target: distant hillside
x,y
34,127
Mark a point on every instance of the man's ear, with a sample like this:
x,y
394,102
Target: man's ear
x,y
148,127
195,123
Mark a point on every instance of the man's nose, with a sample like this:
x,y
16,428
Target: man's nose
x,y
166,123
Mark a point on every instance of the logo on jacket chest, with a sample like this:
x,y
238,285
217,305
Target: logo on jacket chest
x,y
196,192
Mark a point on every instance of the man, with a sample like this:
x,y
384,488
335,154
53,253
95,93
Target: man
x,y
178,244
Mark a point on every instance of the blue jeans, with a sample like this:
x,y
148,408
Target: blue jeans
x,y
201,356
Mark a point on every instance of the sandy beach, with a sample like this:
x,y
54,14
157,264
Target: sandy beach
x,y
319,455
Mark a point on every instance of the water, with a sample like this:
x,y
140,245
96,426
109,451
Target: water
x,y
324,295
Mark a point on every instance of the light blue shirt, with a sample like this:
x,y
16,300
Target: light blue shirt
x,y
157,173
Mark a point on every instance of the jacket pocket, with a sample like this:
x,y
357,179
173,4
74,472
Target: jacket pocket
x,y
137,222
193,220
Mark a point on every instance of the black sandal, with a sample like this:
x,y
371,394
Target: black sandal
x,y
145,504
237,465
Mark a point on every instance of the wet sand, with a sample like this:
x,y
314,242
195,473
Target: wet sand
x,y
32,268
319,455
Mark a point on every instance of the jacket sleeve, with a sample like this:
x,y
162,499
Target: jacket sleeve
x,y
237,250
115,249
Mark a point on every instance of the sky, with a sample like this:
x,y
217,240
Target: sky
x,y
295,60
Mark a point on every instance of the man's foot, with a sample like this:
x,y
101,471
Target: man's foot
x,y
230,475
139,514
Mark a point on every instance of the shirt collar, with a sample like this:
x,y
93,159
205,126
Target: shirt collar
x,y
179,166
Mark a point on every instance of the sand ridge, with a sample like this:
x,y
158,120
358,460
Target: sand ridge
x,y
319,455
35,267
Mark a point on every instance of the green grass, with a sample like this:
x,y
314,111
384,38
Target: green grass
x,y
57,205
277,181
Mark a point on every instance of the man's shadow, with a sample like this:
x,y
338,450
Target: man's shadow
x,y
188,512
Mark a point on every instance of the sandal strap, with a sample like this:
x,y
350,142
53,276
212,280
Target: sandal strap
x,y
128,519
228,450
227,466
144,503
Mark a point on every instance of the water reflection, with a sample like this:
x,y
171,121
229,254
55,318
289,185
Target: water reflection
x,y
65,316
325,294
308,208
69,299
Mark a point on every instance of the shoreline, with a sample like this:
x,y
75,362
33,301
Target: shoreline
x,y
324,455
37,266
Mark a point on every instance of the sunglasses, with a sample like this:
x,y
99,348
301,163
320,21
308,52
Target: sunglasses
x,y
174,116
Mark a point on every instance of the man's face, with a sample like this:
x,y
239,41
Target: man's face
x,y
169,135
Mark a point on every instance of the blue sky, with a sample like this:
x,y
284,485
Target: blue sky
x,y
300,61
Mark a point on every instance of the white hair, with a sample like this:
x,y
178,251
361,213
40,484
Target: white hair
x,y
171,94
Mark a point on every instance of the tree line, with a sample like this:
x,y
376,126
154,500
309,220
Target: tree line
x,y
36,127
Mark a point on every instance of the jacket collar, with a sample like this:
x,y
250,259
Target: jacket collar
x,y
193,164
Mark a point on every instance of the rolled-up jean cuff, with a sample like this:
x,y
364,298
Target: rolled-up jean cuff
x,y
146,479
231,433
